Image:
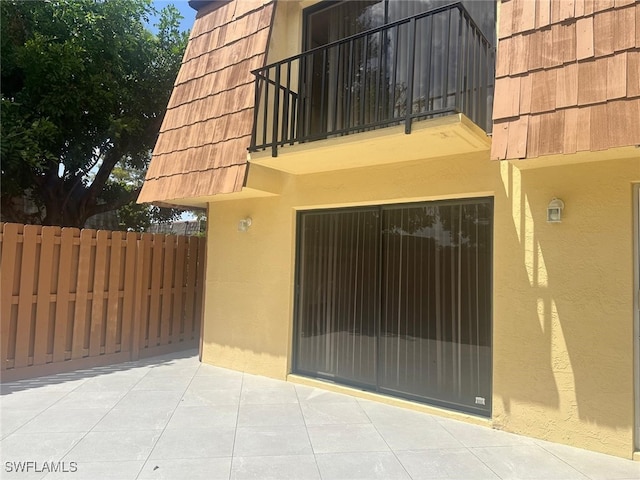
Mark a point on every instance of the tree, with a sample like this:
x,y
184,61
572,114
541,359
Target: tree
x,y
84,86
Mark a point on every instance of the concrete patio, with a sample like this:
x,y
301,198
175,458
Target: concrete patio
x,y
171,417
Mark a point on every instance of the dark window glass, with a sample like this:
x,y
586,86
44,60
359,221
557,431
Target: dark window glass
x,y
398,299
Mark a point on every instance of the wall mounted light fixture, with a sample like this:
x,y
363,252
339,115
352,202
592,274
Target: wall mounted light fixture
x,y
244,224
554,210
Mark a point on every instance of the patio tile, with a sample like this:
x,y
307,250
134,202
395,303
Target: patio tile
x,y
379,413
273,431
215,382
356,466
595,465
187,468
60,419
38,447
144,398
346,438
103,399
479,436
526,462
320,413
257,382
416,436
260,396
14,418
179,371
206,370
195,443
186,417
274,440
122,419
453,463
285,467
227,396
30,399
117,470
109,383
113,446
269,415
163,383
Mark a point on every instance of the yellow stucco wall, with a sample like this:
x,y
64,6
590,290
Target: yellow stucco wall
x,y
563,305
563,293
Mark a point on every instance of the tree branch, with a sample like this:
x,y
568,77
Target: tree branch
x,y
115,204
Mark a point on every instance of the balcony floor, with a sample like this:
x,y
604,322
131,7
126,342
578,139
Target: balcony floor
x,y
172,417
445,136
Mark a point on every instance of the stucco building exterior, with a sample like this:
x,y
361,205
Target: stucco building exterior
x,y
381,178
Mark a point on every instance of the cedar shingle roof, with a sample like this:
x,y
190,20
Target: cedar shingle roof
x,y
202,146
567,77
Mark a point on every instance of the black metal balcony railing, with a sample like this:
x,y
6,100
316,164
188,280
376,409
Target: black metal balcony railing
x,y
432,64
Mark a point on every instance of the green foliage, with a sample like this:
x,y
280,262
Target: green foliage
x,y
133,216
84,86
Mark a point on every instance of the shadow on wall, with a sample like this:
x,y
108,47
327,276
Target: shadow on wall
x,y
566,345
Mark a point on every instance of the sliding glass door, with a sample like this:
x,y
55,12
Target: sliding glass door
x,y
338,299
397,299
435,328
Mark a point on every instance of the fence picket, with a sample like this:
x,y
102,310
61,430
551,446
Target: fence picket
x,y
43,302
63,295
82,294
156,285
10,233
131,272
167,287
25,300
114,314
96,320
178,296
143,271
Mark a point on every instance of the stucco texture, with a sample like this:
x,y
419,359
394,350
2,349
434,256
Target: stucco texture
x,y
563,293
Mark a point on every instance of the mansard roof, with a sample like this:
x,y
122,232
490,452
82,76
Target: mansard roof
x,y
202,145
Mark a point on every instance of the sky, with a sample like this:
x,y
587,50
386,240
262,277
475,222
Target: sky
x,y
186,11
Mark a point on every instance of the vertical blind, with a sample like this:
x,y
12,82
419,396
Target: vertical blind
x,y
398,299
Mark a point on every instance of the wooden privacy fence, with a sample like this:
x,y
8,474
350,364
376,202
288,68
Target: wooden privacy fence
x,y
79,298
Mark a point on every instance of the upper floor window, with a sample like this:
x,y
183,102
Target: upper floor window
x,y
331,20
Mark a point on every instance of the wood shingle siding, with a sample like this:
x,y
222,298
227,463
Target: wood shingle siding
x,y
567,77
202,146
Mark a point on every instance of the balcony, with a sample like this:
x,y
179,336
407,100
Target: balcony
x,y
434,64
